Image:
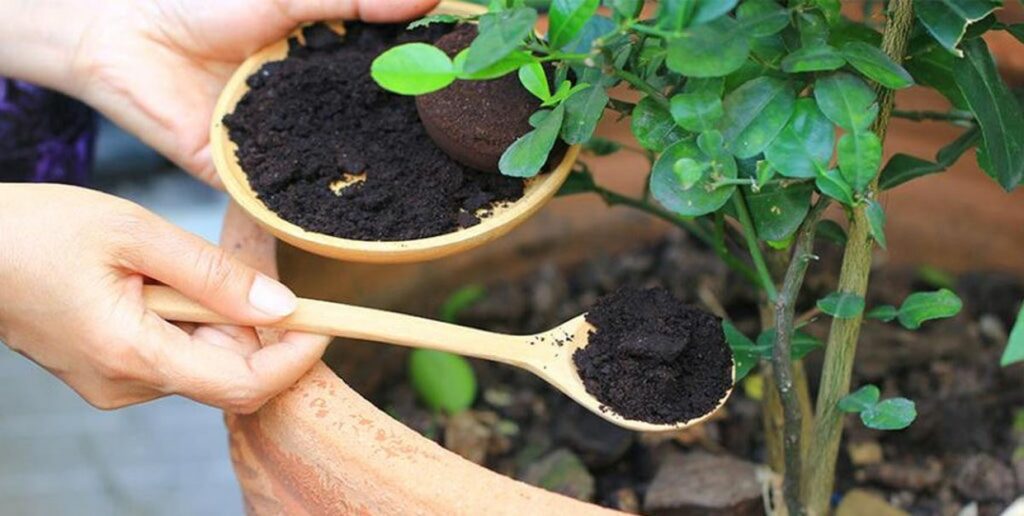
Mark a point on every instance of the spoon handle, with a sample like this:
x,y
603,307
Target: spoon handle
x,y
340,320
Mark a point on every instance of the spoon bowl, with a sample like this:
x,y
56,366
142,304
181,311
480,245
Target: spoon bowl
x,y
501,219
547,354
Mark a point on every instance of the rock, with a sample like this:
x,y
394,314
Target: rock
x,y
625,500
860,502
699,483
899,475
1016,508
598,442
468,436
983,478
562,472
864,453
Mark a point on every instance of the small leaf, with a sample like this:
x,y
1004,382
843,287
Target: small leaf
x,y
933,67
595,27
765,172
688,172
564,90
627,9
460,300
801,344
902,167
832,184
744,353
829,230
846,100
505,66
890,414
884,313
714,49
778,210
813,29
500,35
708,10
1017,30
804,146
434,18
698,111
445,382
576,183
859,156
860,400
583,111
699,199
831,8
947,20
876,222
762,17
876,65
842,305
653,126
535,80
924,306
527,155
1014,351
754,114
567,18
601,146
813,59
413,69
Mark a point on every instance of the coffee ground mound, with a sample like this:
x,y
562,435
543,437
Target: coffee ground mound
x,y
317,117
650,358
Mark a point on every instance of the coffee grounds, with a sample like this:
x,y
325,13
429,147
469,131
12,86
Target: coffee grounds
x,y
317,117
651,358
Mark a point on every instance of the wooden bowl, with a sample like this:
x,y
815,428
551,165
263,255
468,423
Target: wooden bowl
x,y
501,220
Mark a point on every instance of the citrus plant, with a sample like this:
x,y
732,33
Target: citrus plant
x,y
756,116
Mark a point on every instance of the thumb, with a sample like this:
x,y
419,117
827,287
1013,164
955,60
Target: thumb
x,y
208,275
366,10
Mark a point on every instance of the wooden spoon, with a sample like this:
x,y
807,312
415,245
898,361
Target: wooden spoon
x,y
500,220
547,355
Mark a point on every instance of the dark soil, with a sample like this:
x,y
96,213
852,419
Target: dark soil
x,y
653,359
318,117
475,121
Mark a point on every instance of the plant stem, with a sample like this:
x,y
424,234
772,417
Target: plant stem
x,y
642,85
853,278
740,202
919,116
613,198
782,363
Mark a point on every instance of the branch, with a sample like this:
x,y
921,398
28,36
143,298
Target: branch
x,y
767,283
921,116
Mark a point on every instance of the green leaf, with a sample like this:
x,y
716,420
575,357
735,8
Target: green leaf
x,y
764,172
762,17
933,67
505,66
535,80
846,100
842,305
755,113
445,382
583,110
997,112
832,184
947,20
653,126
627,9
902,167
708,10
501,33
804,146
1017,30
413,69
860,400
567,18
813,59
595,27
1015,346
699,199
689,172
527,155
778,210
674,16
714,49
876,65
801,344
876,222
812,28
601,146
576,183
831,8
460,300
564,91
831,231
883,313
698,111
434,18
924,306
890,414
859,156
744,352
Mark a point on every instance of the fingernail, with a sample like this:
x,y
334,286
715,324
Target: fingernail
x,y
271,297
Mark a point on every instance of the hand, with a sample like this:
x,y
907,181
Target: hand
x,y
72,265
156,67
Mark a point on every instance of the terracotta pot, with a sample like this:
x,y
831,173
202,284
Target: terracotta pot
x,y
320,448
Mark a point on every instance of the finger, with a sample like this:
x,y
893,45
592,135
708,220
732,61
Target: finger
x,y
241,340
367,10
248,242
207,274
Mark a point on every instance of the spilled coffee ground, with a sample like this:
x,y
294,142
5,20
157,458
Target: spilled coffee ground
x,y
318,116
653,359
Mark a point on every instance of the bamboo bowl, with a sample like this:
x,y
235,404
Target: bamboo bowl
x,y
499,221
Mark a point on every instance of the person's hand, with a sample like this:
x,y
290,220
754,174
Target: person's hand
x,y
156,67
72,266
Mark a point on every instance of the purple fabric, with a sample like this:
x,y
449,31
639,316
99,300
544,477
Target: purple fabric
x,y
44,136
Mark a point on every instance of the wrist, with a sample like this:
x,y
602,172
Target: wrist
x,y
39,40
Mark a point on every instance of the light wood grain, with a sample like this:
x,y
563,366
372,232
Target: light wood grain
x,y
547,354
